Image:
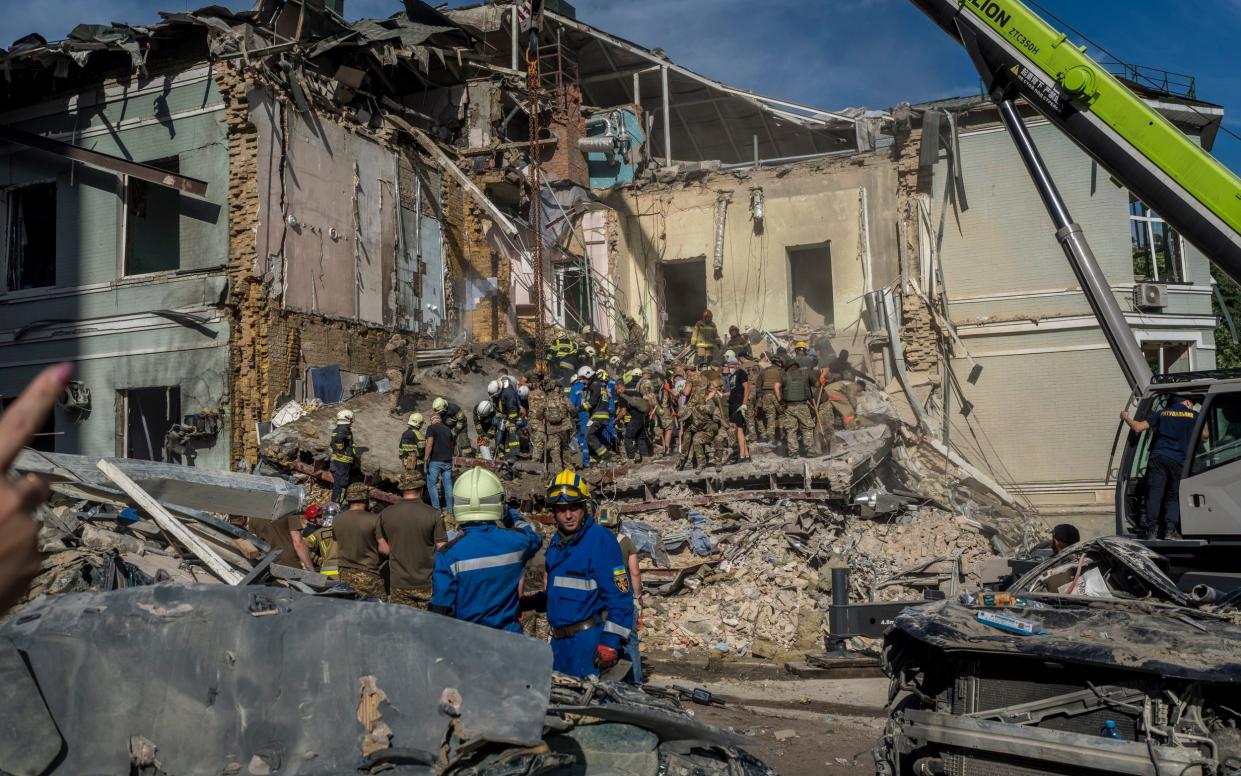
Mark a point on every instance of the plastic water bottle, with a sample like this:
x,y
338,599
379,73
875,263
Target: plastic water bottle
x,y
1110,730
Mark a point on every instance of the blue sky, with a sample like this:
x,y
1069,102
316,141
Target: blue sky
x,y
826,53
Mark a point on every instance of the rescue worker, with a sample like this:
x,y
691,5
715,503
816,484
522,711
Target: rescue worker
x,y
478,574
360,544
842,389
587,356
536,425
750,367
804,358
508,443
706,338
558,427
769,376
635,338
453,416
738,343
577,399
632,410
610,518
413,442
485,425
343,454
562,357
737,390
321,543
284,534
794,392
1172,429
589,599
699,430
414,531
396,354
595,401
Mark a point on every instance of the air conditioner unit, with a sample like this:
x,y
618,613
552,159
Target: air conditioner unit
x,y
1150,296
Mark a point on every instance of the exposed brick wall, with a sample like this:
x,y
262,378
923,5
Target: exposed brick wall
x,y
568,124
920,334
249,395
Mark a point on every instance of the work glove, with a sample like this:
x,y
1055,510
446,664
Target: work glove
x,y
605,657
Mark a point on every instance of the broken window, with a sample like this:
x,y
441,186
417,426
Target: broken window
x,y
149,414
810,285
1165,357
153,223
685,295
31,245
44,439
1158,252
573,297
1221,434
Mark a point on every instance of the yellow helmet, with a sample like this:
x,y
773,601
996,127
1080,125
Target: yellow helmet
x,y
478,497
568,487
415,420
800,345
440,404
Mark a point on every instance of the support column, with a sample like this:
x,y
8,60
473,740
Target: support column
x,y
663,77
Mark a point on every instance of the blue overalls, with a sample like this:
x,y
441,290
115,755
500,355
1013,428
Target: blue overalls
x,y
576,390
477,574
587,580
609,434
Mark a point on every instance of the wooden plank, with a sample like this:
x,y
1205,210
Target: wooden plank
x,y
170,524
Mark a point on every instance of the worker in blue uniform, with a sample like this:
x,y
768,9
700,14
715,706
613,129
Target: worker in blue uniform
x,y
589,598
577,397
478,573
596,401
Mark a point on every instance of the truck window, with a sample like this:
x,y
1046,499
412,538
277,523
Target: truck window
x,y
1137,468
1220,442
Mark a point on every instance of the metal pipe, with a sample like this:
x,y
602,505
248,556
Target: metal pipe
x,y
789,159
1077,250
663,78
637,89
513,33
756,152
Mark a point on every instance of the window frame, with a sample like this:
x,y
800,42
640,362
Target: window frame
x,y
123,259
6,206
1147,218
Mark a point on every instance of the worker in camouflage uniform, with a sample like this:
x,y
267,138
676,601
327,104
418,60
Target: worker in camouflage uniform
x,y
794,392
842,388
396,354
750,367
360,544
557,424
536,423
770,374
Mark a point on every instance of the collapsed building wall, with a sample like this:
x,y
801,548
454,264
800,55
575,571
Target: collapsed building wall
x,y
826,229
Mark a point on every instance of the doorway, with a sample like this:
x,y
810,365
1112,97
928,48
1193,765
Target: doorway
x,y
810,285
684,295
149,414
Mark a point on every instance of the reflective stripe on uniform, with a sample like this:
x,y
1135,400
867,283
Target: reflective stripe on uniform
x,y
487,562
573,583
619,630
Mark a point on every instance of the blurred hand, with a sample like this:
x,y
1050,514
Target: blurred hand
x,y
20,560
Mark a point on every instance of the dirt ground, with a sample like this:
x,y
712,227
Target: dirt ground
x,y
799,726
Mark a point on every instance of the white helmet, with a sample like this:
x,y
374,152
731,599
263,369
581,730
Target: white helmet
x,y
344,417
523,391
590,350
493,387
730,354
484,409
614,360
440,404
585,373
415,420
478,497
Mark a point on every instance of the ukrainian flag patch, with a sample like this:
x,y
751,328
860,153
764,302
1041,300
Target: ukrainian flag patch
x,y
621,577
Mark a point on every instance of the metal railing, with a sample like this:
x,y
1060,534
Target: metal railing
x,y
1166,81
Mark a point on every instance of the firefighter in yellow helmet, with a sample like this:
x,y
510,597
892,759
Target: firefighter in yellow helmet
x,y
589,598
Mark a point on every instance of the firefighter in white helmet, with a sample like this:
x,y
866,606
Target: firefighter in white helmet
x,y
343,454
478,573
413,442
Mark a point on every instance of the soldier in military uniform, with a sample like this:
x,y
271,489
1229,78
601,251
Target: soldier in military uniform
x,y
798,422
558,426
769,376
536,424
396,353
360,544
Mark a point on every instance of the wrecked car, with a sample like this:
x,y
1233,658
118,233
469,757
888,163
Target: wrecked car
x,y
1093,662
217,679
